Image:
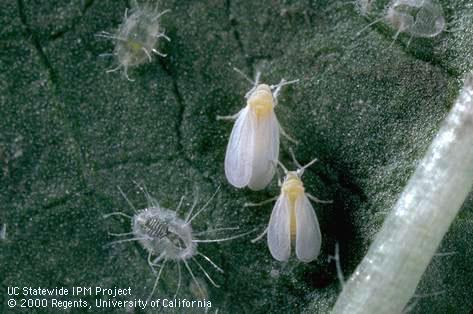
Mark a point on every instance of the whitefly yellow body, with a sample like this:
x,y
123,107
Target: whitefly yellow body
x,y
293,221
253,147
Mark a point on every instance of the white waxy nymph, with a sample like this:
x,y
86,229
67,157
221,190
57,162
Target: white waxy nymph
x,y
253,147
170,238
293,220
418,18
136,38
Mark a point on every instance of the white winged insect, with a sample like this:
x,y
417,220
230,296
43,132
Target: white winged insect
x,y
293,219
254,141
169,238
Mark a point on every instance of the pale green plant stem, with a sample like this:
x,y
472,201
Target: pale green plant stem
x,y
388,275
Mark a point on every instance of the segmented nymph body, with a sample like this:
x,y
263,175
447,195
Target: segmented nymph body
x,y
137,37
253,146
162,232
293,220
168,237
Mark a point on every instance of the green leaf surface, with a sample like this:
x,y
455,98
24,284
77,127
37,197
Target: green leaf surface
x,y
70,133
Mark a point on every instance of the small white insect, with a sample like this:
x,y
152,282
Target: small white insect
x,y
293,220
136,38
167,237
254,142
419,18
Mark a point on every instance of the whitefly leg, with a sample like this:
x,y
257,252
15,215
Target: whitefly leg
x,y
284,133
260,236
249,204
317,200
231,117
245,76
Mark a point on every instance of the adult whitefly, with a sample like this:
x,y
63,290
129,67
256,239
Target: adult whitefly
x,y
253,147
293,221
167,237
137,37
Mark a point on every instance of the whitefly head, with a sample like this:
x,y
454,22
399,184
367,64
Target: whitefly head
x,y
261,100
292,184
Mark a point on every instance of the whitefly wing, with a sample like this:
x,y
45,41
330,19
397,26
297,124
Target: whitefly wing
x,y
279,230
239,156
266,151
308,237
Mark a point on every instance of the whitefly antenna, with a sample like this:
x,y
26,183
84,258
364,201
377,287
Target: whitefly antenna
x,y
283,167
254,83
300,171
245,76
277,87
291,151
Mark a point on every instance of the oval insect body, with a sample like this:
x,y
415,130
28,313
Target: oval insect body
x,y
253,147
167,237
137,37
293,220
261,101
419,18
161,232
254,143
